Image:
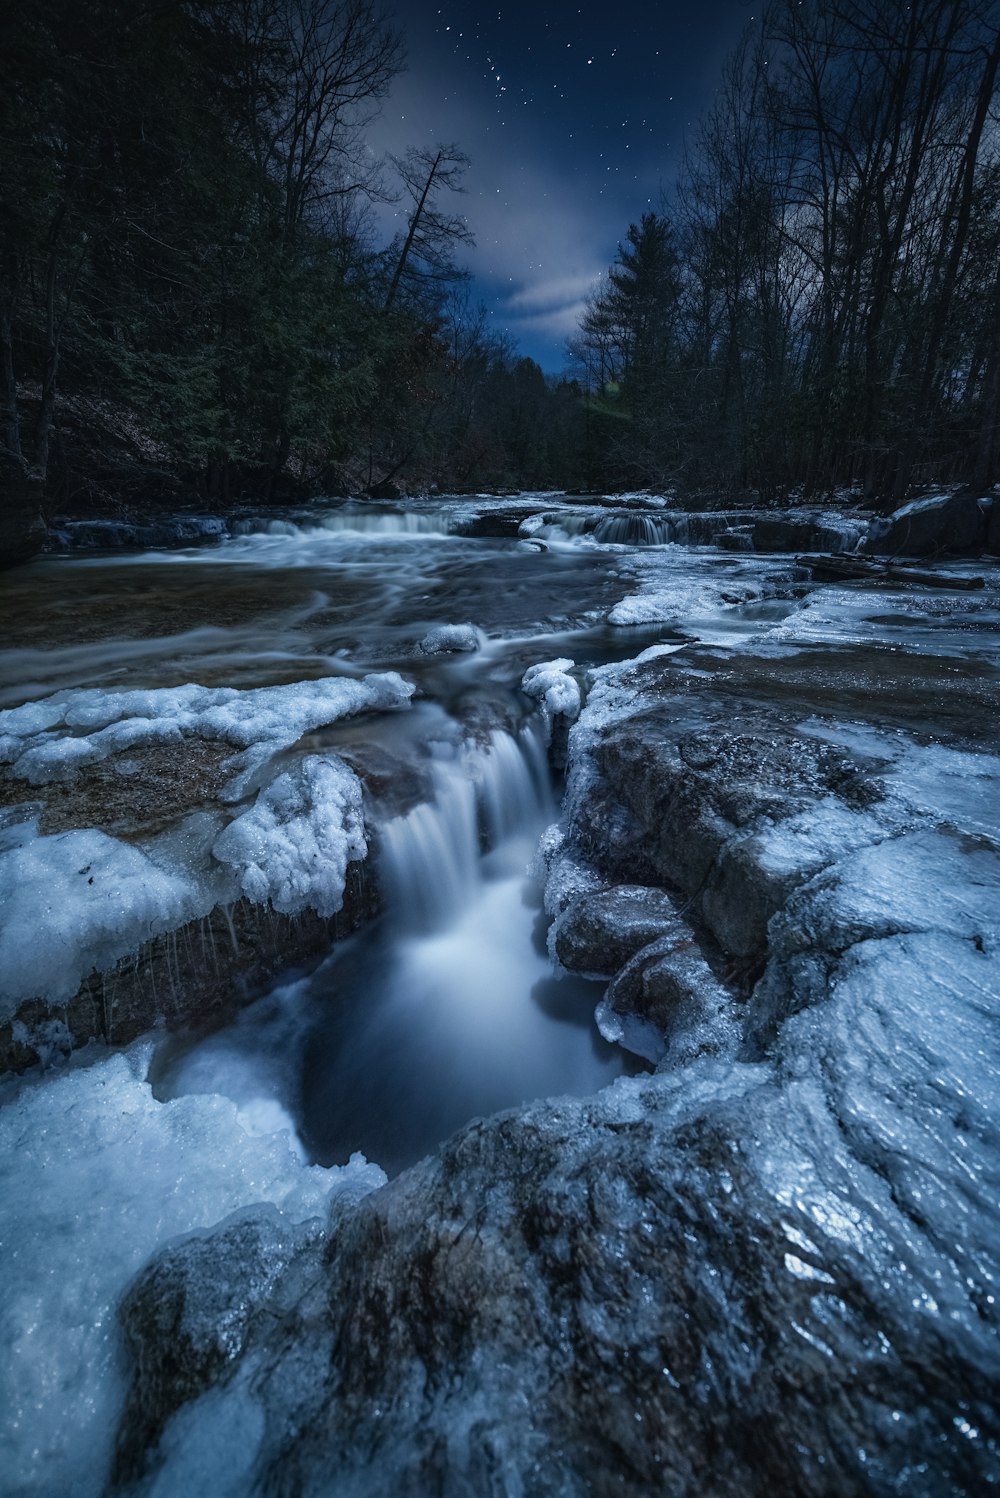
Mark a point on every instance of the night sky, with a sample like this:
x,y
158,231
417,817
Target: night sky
x,y
575,118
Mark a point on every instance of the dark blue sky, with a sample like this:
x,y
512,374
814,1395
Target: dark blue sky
x,y
575,118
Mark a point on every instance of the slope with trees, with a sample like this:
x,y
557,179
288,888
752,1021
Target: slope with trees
x,y
831,286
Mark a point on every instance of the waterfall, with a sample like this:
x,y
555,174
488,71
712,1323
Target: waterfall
x,y
483,796
455,1011
348,522
632,529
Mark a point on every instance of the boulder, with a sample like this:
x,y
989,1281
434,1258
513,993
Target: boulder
x,y
992,541
708,805
599,933
805,533
926,527
738,538
187,1304
669,986
385,490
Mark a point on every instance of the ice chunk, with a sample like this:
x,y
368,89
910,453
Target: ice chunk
x,y
451,637
294,845
95,898
557,692
95,1175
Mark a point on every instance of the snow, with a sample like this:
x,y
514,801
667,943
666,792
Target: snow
x,y
452,637
259,721
98,898
294,845
557,692
94,1176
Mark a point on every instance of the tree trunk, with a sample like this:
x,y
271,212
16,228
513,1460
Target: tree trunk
x,y
397,274
50,370
948,268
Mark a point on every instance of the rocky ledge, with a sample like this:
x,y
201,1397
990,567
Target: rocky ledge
x,y
770,1267
177,851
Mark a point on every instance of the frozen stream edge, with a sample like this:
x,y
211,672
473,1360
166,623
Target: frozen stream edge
x,y
800,1249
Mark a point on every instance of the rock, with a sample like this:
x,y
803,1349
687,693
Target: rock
x,y
385,490
599,933
670,987
190,1307
670,1287
738,538
806,533
108,535
992,541
201,974
938,523
701,800
451,638
22,527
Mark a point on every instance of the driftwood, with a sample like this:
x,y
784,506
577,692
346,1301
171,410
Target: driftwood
x,y
833,567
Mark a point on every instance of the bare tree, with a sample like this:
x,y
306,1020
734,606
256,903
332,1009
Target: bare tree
x,y
312,75
426,255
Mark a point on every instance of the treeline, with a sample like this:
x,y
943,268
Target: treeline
x,y
189,259
820,306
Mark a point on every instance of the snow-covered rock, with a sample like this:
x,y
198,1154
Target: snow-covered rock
x,y
938,523
449,638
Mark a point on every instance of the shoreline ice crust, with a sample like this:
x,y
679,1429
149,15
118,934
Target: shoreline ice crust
x,y
98,897
95,1175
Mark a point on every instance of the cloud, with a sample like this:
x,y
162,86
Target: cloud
x,y
562,291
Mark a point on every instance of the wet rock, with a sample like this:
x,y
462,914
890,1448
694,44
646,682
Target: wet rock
x,y
201,974
670,1287
739,538
599,933
189,1306
805,533
704,804
111,535
669,987
139,791
927,527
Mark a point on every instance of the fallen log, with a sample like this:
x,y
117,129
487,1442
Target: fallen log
x,y
834,567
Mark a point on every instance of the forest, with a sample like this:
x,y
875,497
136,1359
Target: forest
x,y
195,297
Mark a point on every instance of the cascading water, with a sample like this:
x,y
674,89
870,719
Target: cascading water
x,y
485,796
351,522
636,530
455,1011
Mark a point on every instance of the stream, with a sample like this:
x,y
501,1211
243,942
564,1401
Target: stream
x,y
159,710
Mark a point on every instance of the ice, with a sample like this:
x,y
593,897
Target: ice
x,y
94,1176
680,588
95,898
99,898
557,692
926,880
293,846
452,637
259,721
